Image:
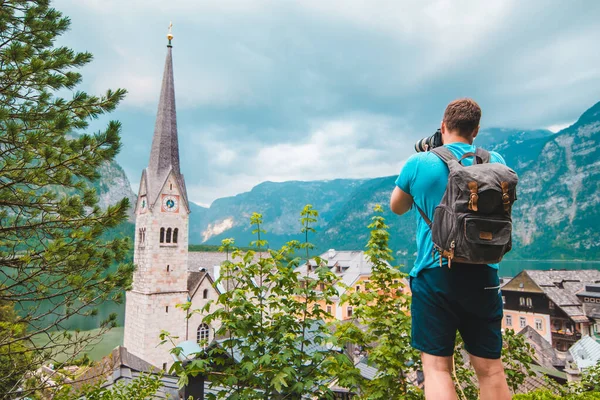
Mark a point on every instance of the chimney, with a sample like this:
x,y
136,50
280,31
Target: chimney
x,y
331,253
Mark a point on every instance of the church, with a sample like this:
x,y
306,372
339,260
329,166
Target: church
x,y
166,273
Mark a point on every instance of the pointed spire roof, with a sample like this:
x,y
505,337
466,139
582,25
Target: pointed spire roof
x,y
164,156
165,146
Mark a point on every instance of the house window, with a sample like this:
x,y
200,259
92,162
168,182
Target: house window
x,y
522,322
395,281
328,309
202,335
521,301
358,288
164,366
538,324
205,294
509,320
529,302
551,304
349,310
503,299
168,235
170,186
175,233
168,268
162,235
167,309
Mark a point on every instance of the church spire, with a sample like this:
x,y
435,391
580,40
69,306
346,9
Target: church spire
x,y
165,147
164,156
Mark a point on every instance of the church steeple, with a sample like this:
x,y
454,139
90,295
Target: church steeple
x,y
164,156
165,147
161,241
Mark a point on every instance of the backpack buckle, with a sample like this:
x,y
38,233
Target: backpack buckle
x,y
474,196
505,196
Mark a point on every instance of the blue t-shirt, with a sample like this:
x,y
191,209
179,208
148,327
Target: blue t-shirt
x,y
424,177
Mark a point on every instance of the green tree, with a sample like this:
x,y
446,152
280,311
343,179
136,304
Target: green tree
x,y
53,258
270,323
382,309
145,386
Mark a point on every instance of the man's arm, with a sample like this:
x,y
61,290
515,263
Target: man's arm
x,y
401,201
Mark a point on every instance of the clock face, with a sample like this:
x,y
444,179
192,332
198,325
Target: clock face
x,y
170,203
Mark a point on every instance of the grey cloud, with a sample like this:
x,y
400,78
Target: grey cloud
x,y
253,75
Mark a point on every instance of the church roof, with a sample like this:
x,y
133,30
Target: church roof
x,y
164,156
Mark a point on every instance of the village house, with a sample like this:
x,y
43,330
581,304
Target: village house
x,y
548,302
353,270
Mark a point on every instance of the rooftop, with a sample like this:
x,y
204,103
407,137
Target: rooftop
x,y
562,287
586,352
348,265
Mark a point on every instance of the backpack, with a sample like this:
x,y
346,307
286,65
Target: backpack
x,y
473,222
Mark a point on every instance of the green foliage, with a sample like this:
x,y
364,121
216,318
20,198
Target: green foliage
x,y
144,386
53,255
590,381
269,321
548,395
517,356
14,360
382,309
210,248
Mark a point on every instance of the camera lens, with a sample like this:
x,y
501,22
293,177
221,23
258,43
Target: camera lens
x,y
422,145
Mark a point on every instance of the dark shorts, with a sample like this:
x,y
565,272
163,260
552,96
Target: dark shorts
x,y
465,298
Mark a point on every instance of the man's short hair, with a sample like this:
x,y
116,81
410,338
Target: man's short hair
x,y
463,116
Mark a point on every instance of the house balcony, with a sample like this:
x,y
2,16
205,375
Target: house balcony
x,y
563,335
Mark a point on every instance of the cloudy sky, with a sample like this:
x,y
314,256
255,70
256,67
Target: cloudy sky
x,y
320,89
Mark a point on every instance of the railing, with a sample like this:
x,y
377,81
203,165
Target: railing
x,y
566,336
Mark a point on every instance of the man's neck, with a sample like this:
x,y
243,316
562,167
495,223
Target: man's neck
x,y
457,139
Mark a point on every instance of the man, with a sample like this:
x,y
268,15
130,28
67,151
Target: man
x,y
463,298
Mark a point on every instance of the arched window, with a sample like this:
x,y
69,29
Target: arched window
x,y
168,268
205,294
143,235
162,235
175,232
169,235
202,335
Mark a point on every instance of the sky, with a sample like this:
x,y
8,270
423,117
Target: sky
x,y
277,90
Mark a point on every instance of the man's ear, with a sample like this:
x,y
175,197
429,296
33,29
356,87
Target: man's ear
x,y
475,132
443,128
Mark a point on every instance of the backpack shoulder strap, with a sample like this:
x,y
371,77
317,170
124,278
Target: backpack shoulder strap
x,y
424,216
444,154
484,154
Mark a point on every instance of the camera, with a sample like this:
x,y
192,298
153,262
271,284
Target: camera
x,y
429,142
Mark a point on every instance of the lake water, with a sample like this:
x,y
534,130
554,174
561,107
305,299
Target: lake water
x,y
507,269
511,268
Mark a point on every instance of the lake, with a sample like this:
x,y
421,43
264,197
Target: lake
x,y
507,269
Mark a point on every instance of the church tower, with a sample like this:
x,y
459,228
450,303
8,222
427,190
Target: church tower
x,y
161,243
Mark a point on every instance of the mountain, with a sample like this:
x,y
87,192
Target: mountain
x,y
113,185
558,211
279,203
